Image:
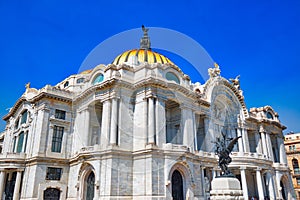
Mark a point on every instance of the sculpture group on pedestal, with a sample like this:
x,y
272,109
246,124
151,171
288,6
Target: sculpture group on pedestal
x,y
224,151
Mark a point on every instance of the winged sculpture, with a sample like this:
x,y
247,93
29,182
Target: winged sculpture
x,y
224,151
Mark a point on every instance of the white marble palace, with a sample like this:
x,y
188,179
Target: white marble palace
x,y
138,129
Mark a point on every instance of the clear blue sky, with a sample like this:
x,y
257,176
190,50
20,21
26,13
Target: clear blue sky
x,y
43,42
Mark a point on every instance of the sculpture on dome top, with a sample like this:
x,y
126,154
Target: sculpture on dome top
x,y
224,151
145,40
214,72
145,30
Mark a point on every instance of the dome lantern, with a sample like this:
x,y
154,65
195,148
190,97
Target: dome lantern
x,y
143,54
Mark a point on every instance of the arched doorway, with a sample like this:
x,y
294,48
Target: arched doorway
x,y
282,190
52,194
90,186
177,186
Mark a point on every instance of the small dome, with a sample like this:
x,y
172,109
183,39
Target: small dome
x,y
143,55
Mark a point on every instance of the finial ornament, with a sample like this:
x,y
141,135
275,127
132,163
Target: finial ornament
x,y
236,82
27,86
145,40
214,72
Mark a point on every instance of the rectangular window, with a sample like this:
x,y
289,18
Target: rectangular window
x,y
57,137
20,142
298,181
24,117
15,141
53,173
60,114
17,123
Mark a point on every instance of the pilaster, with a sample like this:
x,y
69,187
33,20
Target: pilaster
x,y
160,122
114,122
105,126
151,121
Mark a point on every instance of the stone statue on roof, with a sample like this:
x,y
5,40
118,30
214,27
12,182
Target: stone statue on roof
x,y
214,72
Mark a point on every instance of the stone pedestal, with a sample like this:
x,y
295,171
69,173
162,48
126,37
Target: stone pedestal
x,y
226,188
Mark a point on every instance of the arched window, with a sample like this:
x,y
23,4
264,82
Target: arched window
x,y
66,84
98,79
269,115
172,77
24,117
295,166
177,186
90,186
52,194
80,80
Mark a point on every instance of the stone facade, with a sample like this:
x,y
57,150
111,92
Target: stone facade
x,y
292,148
138,130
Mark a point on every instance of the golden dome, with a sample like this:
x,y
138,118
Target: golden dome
x,y
143,55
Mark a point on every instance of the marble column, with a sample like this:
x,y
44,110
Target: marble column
x,y
105,126
245,139
244,183
2,183
258,142
214,173
240,141
282,154
114,122
271,186
151,121
278,176
263,141
188,130
17,186
259,184
208,136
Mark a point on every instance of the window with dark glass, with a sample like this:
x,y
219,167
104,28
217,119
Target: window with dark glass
x,y
14,146
298,181
24,117
98,79
60,114
17,123
80,80
295,166
20,142
57,137
172,77
53,173
66,84
52,194
269,115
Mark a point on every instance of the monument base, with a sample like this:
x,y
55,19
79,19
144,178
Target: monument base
x,y
226,188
